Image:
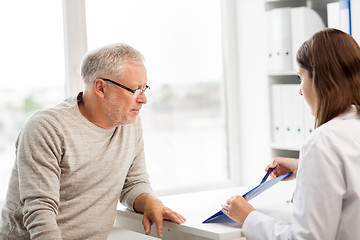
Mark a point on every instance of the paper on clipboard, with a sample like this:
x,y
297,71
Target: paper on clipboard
x,y
222,218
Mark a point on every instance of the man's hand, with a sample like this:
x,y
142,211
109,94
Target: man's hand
x,y
155,212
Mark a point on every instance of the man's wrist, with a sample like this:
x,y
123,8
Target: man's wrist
x,y
142,200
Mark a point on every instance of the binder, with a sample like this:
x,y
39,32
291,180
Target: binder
x,y
309,120
345,16
333,15
220,217
293,116
287,29
270,47
304,23
281,39
276,104
355,20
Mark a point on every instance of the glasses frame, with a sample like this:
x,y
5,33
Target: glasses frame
x,y
135,92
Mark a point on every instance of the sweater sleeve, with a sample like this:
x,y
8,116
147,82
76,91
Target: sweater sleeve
x,y
38,158
137,179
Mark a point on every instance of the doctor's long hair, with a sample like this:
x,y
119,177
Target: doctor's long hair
x,y
332,58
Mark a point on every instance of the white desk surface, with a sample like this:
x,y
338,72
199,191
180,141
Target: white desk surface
x,y
196,207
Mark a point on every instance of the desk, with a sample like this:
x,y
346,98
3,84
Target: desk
x,y
196,207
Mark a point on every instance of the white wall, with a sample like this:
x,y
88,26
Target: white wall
x,y
253,91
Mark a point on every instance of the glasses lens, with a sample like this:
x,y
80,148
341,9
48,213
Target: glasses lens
x,y
137,92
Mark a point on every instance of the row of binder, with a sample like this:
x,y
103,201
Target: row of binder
x,y
345,15
292,121
287,29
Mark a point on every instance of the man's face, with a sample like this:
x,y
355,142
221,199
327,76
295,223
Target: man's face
x,y
121,105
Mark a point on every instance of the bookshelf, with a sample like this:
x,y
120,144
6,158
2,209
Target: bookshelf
x,y
287,131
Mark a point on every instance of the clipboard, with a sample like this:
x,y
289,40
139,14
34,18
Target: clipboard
x,y
220,217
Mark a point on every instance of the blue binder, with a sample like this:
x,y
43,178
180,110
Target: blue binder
x,y
220,217
345,16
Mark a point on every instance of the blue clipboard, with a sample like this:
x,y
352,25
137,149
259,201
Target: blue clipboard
x,y
220,217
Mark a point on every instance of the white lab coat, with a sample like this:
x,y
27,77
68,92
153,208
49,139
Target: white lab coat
x,y
327,195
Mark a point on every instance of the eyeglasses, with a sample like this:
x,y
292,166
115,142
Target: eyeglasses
x,y
135,92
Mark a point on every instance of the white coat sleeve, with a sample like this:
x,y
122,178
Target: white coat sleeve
x,y
259,226
317,202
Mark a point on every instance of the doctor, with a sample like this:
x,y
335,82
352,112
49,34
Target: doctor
x,y
327,195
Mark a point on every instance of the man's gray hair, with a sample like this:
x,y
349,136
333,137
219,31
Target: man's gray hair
x,y
108,61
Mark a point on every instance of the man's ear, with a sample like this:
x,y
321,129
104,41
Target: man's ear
x,y
99,87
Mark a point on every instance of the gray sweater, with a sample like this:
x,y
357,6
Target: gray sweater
x,y
69,174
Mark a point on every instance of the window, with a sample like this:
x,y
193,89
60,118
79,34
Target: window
x,y
184,120
32,75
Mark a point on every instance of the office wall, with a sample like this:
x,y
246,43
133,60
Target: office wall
x,y
253,94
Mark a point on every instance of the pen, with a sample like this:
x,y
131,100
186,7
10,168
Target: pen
x,y
267,174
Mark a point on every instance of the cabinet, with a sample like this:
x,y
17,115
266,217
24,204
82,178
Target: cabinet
x,y
289,24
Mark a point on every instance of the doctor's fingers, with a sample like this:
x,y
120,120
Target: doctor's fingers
x,y
230,199
235,201
226,206
271,165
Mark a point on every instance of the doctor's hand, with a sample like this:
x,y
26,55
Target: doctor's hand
x,y
283,166
155,212
237,208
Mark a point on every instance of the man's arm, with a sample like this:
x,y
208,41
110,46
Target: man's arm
x,y
155,212
137,179
137,193
38,154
